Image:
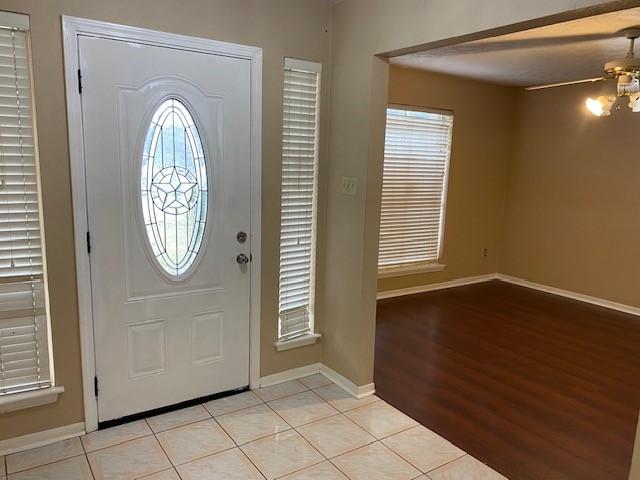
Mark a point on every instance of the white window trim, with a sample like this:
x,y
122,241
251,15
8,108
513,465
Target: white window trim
x,y
311,336
307,66
301,341
33,398
433,266
19,21
410,269
43,396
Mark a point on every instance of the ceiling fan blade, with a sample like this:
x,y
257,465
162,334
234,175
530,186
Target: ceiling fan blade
x,y
491,45
562,84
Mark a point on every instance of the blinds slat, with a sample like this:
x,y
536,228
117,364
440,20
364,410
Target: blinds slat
x,y
299,163
417,146
24,343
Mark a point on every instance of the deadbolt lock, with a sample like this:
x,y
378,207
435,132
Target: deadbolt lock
x,y
242,237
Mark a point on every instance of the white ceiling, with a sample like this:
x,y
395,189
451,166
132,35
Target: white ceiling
x,y
556,53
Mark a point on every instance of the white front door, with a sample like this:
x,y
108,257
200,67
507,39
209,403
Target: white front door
x,y
167,152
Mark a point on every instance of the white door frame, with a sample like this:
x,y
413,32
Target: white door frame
x,y
72,28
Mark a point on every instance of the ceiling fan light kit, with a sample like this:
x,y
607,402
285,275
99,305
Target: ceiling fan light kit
x,y
601,106
626,72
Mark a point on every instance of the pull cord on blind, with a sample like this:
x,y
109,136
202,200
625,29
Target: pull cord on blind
x,y
416,162
299,179
24,328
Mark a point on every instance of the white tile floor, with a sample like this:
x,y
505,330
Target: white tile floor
x,y
301,430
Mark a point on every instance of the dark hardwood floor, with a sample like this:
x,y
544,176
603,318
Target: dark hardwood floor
x,y
537,386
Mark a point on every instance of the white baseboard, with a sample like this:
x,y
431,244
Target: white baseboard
x,y
296,373
288,375
459,282
346,384
40,439
601,302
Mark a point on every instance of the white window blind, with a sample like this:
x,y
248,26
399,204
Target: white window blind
x,y
24,328
416,163
299,178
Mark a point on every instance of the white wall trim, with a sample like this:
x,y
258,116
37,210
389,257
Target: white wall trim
x,y
33,398
302,341
357,391
72,28
300,372
360,391
40,439
414,269
601,302
288,375
459,282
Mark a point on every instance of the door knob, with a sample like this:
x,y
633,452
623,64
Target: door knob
x,y
242,259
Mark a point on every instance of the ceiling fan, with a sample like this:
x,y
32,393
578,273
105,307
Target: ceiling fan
x,y
626,72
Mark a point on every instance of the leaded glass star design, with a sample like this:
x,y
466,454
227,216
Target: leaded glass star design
x,y
174,190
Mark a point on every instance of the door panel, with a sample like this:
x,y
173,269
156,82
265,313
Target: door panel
x,y
165,335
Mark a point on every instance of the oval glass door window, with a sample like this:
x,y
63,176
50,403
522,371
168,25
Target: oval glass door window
x,y
173,186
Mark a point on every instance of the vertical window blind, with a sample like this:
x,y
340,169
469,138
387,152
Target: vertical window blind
x,y
298,209
24,328
416,163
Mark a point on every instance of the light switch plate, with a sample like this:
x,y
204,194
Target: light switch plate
x,y
349,185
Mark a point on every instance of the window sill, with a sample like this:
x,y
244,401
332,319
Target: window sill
x,y
303,341
410,270
20,401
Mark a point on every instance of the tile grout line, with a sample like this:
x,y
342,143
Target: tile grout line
x,y
301,436
154,433
86,458
233,411
284,396
450,461
382,445
320,419
400,456
338,468
236,443
177,426
211,415
173,465
291,427
160,445
338,412
347,451
251,462
161,471
45,464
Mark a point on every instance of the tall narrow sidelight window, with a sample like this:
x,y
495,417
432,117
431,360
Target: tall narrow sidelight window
x,y
25,348
416,165
298,210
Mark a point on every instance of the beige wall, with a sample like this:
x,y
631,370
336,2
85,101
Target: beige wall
x,y
354,131
361,30
573,206
282,28
570,199
481,150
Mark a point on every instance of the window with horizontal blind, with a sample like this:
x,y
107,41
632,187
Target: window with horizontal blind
x,y
298,208
25,360
416,164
